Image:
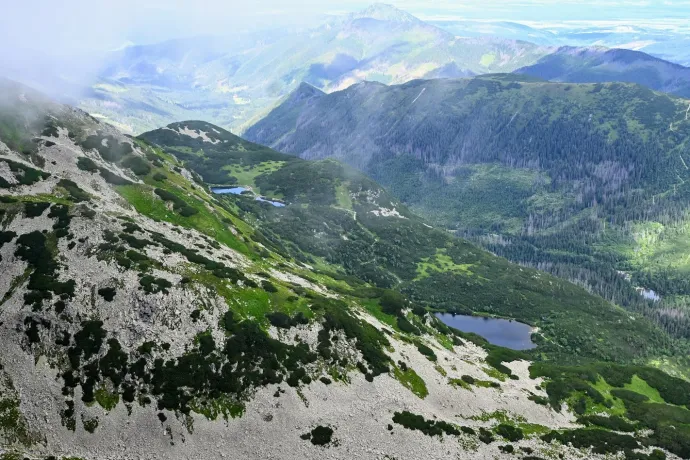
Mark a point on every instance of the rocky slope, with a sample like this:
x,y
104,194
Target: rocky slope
x,y
142,317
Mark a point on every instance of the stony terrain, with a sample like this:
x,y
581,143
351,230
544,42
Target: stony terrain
x,y
188,282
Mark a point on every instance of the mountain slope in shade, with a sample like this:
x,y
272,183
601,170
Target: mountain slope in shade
x,y
598,65
587,181
231,80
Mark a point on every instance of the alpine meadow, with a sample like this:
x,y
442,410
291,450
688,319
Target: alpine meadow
x,y
346,231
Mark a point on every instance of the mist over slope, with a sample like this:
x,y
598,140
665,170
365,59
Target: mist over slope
x,y
232,80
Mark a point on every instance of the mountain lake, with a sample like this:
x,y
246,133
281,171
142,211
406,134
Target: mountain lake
x,y
498,331
239,190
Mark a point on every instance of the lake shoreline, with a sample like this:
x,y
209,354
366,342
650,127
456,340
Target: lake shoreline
x,y
503,332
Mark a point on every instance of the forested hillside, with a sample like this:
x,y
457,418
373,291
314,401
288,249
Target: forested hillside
x,y
586,181
335,215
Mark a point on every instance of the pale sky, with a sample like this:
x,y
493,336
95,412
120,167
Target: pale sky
x,y
68,25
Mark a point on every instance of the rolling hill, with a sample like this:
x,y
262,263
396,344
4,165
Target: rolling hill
x,y
600,65
586,181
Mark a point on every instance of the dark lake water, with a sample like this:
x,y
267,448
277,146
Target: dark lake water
x,y
225,190
649,294
277,204
239,190
503,332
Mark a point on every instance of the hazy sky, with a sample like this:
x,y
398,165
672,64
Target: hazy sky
x,y
69,25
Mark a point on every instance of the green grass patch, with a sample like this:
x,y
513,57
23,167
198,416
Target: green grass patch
x,y
617,407
342,196
106,399
245,174
410,380
444,341
533,429
500,416
441,263
487,59
467,382
495,373
640,386
374,309
220,407
146,203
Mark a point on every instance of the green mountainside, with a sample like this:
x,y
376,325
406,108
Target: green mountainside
x,y
142,316
337,216
586,181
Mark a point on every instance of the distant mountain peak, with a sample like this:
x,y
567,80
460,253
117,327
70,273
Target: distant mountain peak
x,y
305,87
305,91
386,12
613,54
579,50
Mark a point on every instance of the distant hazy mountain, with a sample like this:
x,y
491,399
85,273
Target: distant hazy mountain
x,y
232,81
597,65
587,181
663,39
498,29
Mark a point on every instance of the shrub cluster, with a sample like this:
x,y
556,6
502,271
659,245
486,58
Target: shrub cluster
x,y
32,248
281,320
35,208
428,427
368,340
601,441
179,204
319,436
75,192
107,293
137,164
24,174
87,164
108,147
426,351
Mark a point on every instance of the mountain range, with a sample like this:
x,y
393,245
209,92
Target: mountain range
x,y
233,80
586,181
665,38
599,65
144,313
